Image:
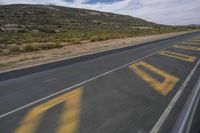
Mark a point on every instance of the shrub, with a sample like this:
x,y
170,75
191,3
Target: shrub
x,y
75,41
14,49
30,48
49,46
4,64
100,38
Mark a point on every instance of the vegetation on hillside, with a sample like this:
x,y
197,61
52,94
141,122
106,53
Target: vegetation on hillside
x,y
25,28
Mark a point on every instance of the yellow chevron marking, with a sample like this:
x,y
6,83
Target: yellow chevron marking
x,y
69,118
191,43
187,47
163,87
178,56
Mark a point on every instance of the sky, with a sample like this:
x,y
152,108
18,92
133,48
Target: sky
x,y
170,12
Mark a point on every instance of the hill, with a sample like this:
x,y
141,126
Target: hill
x,y
27,24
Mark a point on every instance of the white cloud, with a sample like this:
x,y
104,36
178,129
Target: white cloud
x,y
168,11
172,12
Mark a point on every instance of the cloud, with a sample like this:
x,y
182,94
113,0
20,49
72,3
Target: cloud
x,y
172,12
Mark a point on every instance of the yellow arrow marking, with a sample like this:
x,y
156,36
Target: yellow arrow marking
x,y
187,47
163,87
178,56
69,119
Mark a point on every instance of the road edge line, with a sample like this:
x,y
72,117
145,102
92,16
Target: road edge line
x,y
167,111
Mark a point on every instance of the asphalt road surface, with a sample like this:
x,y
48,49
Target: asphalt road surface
x,y
138,89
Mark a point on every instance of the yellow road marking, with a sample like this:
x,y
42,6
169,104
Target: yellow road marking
x,y
163,87
190,42
187,47
178,56
69,119
195,39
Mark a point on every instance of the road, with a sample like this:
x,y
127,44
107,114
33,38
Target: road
x,y
137,89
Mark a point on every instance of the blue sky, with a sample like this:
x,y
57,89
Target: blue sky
x,y
171,12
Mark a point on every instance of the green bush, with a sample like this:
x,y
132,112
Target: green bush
x,y
100,38
30,48
14,49
49,46
3,64
75,41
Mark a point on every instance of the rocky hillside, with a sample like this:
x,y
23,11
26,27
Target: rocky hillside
x,y
24,24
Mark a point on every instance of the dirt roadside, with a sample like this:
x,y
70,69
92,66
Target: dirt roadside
x,y
24,60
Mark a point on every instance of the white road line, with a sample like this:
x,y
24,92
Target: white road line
x,y
188,115
76,85
166,112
